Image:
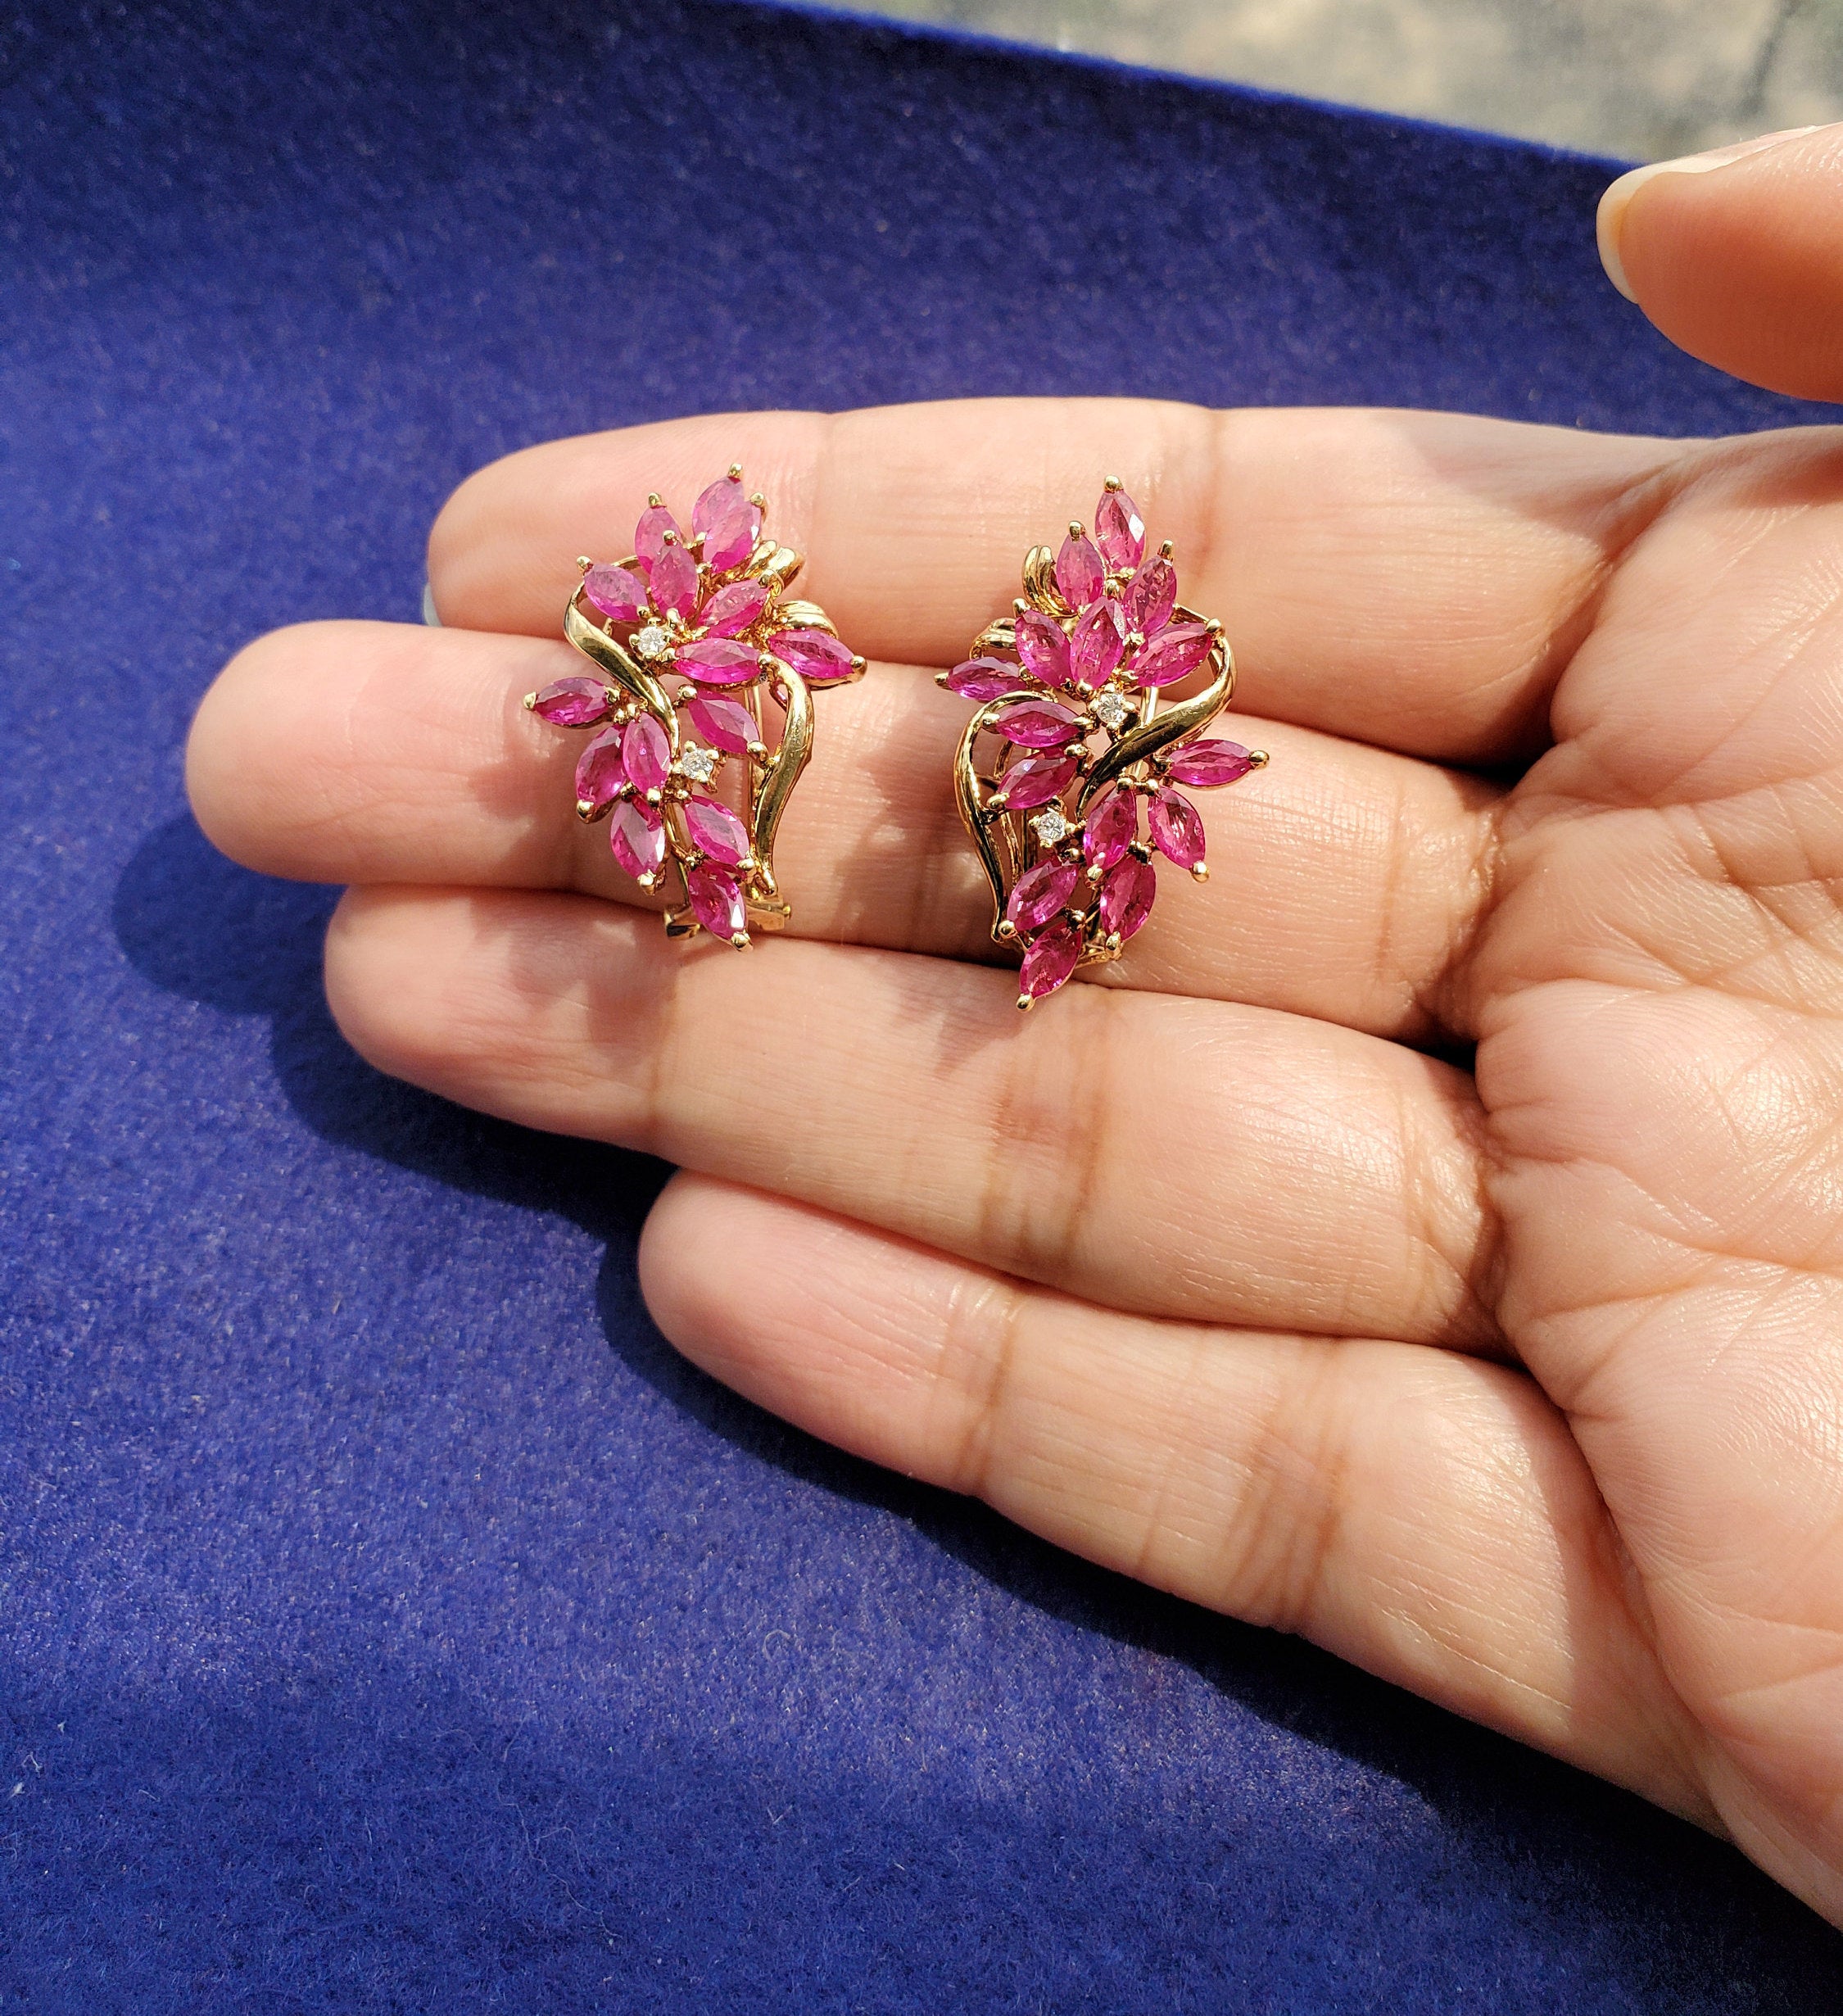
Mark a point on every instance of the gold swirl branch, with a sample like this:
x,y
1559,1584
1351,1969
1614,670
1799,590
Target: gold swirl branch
x,y
779,776
979,822
1170,725
622,667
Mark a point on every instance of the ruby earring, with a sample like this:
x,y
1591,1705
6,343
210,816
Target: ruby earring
x,y
702,705
1066,777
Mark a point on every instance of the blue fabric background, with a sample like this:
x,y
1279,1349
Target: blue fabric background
x,y
391,1623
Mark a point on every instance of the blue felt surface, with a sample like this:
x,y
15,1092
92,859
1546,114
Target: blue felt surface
x,y
390,1622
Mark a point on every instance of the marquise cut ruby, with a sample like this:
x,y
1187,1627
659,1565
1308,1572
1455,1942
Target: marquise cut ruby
x,y
574,703
727,523
724,724
715,829
983,679
649,535
1079,573
636,837
1151,595
1050,959
1119,530
1176,828
1203,764
615,592
674,580
1127,894
1042,648
1096,644
1112,826
600,770
732,609
719,661
717,902
646,753
819,659
1040,894
1038,724
1173,655
1034,782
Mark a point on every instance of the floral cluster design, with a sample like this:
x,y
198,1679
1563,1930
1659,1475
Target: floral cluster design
x,y
680,777
1079,669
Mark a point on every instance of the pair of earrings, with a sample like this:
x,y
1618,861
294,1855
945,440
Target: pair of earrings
x,y
1069,751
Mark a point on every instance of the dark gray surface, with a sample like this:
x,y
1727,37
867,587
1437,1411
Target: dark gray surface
x,y
1646,79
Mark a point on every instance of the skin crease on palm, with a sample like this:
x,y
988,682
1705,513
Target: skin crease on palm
x,y
1429,1238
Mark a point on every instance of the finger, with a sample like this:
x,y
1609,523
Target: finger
x,y
1737,256
1422,1514
1414,580
1180,1157
1346,880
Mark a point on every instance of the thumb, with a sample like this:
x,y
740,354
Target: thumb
x,y
1737,256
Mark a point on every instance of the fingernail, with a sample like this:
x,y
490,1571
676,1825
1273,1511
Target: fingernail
x,y
1617,199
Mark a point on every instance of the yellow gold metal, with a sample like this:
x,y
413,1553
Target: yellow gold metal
x,y
1039,584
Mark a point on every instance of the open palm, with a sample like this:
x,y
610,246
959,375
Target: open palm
x,y
1515,1376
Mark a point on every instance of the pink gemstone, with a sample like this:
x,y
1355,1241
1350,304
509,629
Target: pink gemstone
x,y
1177,828
674,580
615,592
1079,571
1173,655
1126,896
636,836
717,902
1034,782
983,679
1038,724
646,753
1095,647
1039,894
573,703
599,771
1202,764
733,608
1119,530
724,724
1043,648
715,829
1113,825
727,523
1151,595
718,661
1050,959
649,535
819,659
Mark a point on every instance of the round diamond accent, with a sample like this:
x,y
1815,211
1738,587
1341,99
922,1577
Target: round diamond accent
x,y
651,641
1050,826
697,763
1110,710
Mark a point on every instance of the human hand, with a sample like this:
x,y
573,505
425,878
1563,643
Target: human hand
x,y
1522,1386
